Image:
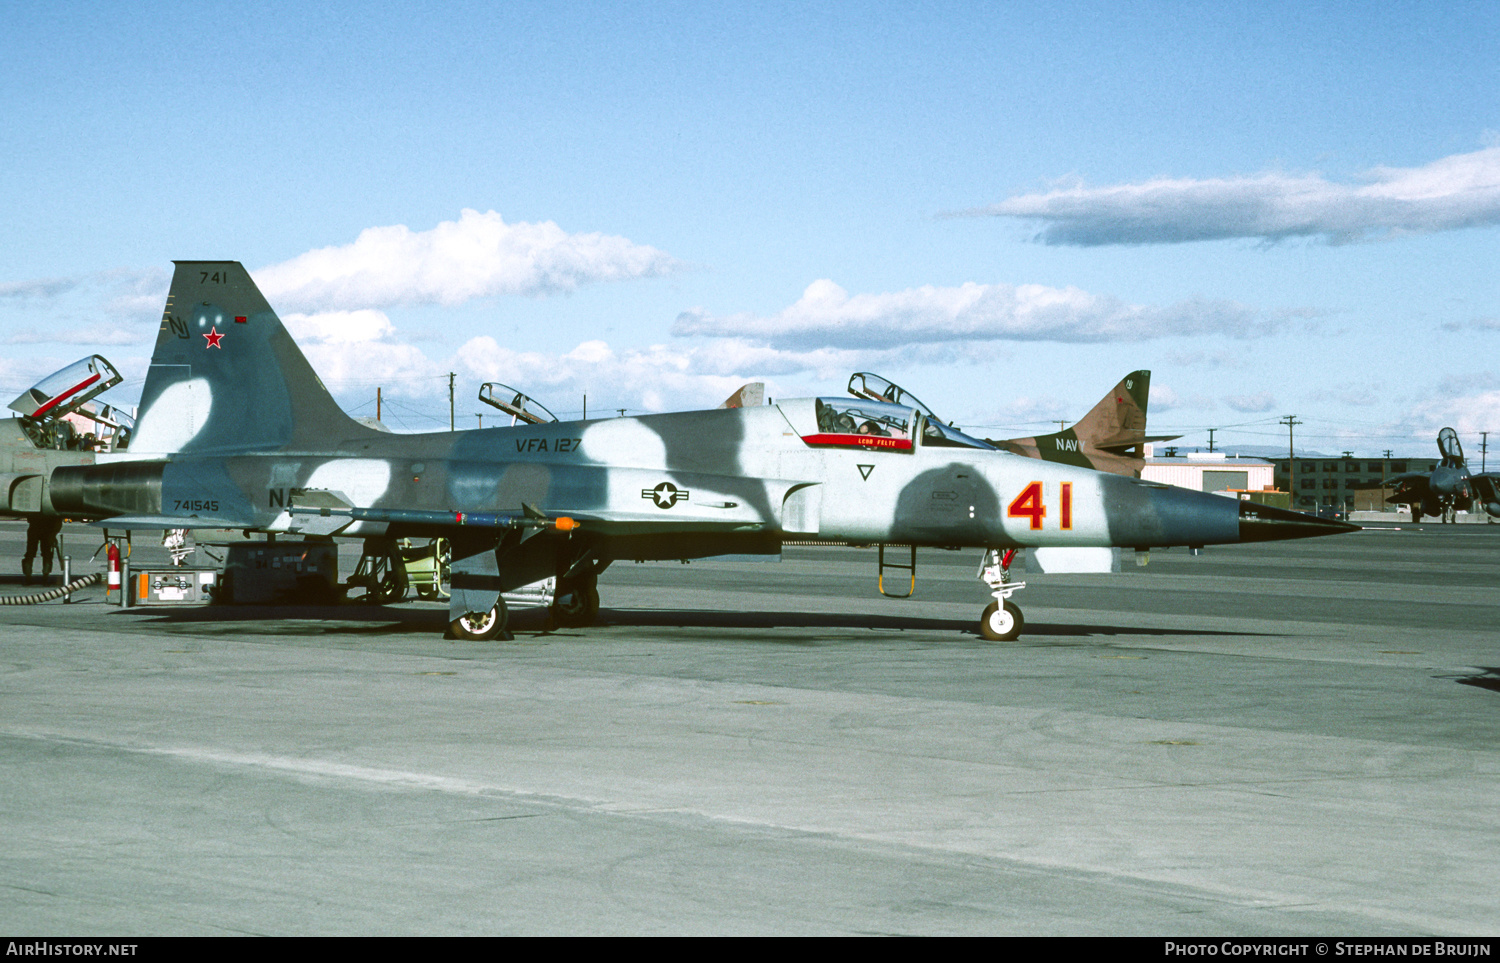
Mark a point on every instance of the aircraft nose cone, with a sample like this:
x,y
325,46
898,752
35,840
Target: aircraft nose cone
x,y
1262,523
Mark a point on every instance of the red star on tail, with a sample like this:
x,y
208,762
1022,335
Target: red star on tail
x,y
214,337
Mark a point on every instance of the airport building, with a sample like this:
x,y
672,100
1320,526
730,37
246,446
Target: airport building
x,y
1210,471
1348,483
1344,483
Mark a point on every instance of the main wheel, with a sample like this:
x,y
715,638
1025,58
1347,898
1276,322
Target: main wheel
x,y
1001,623
480,627
577,603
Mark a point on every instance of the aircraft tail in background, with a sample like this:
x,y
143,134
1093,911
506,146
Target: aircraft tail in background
x,y
1111,437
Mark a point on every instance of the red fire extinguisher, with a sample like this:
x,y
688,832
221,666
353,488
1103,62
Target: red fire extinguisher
x,y
113,554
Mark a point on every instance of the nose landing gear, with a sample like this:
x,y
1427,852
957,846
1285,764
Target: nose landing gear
x,y
1002,620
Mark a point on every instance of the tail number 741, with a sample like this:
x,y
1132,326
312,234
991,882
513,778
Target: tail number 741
x,y
1030,504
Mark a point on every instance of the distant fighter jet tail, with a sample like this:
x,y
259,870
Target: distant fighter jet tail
x,y
1117,423
1109,438
227,377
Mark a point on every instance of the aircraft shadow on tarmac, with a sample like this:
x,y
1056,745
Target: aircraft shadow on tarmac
x,y
299,619
849,620
1489,678
372,620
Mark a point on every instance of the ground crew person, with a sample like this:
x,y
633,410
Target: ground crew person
x,y
41,530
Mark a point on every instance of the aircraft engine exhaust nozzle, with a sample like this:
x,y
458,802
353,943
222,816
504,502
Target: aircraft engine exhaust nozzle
x,y
1264,523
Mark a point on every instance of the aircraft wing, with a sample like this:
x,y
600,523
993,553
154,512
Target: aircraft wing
x,y
153,522
1487,481
1406,479
1119,445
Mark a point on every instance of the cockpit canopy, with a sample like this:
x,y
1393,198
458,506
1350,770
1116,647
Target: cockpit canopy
x,y
840,416
855,423
64,392
865,384
514,403
1451,450
60,411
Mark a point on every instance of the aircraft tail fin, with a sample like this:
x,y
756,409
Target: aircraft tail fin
x,y
226,376
752,395
1117,424
1118,421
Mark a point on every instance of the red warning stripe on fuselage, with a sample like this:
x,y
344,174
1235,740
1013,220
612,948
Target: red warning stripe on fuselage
x,y
860,441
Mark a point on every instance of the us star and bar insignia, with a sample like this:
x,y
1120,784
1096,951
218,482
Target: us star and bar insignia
x,y
666,494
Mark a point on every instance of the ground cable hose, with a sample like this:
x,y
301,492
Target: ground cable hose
x,y
51,594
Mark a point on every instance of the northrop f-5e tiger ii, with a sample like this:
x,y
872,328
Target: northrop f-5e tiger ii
x,y
236,431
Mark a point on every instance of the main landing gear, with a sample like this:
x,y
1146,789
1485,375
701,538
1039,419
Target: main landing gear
x,y
576,604
1002,620
480,626
571,602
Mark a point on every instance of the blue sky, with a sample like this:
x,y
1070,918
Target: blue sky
x,y
1290,210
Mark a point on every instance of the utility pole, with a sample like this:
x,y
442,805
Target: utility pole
x,y
585,406
377,404
1484,443
1291,455
450,401
1211,438
1062,425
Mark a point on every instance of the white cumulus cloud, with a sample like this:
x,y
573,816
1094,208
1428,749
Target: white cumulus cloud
x,y
1468,404
1459,191
828,316
476,256
1258,402
40,288
349,348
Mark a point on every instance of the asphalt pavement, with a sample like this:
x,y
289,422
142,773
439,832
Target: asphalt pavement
x,y
1291,738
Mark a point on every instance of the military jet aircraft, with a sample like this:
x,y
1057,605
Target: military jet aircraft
x,y
1449,488
237,431
1111,437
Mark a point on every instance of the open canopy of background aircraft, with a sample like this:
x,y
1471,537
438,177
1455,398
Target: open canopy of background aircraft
x,y
1111,437
58,422
237,431
1447,489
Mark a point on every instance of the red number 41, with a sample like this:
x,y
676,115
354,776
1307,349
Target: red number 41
x,y
1029,504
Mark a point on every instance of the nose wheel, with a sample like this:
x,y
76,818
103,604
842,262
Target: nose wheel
x,y
1001,620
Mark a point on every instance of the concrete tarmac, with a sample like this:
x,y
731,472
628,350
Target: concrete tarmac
x,y
1287,739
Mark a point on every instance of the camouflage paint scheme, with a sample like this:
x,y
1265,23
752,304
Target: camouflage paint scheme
x,y
1110,438
237,431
